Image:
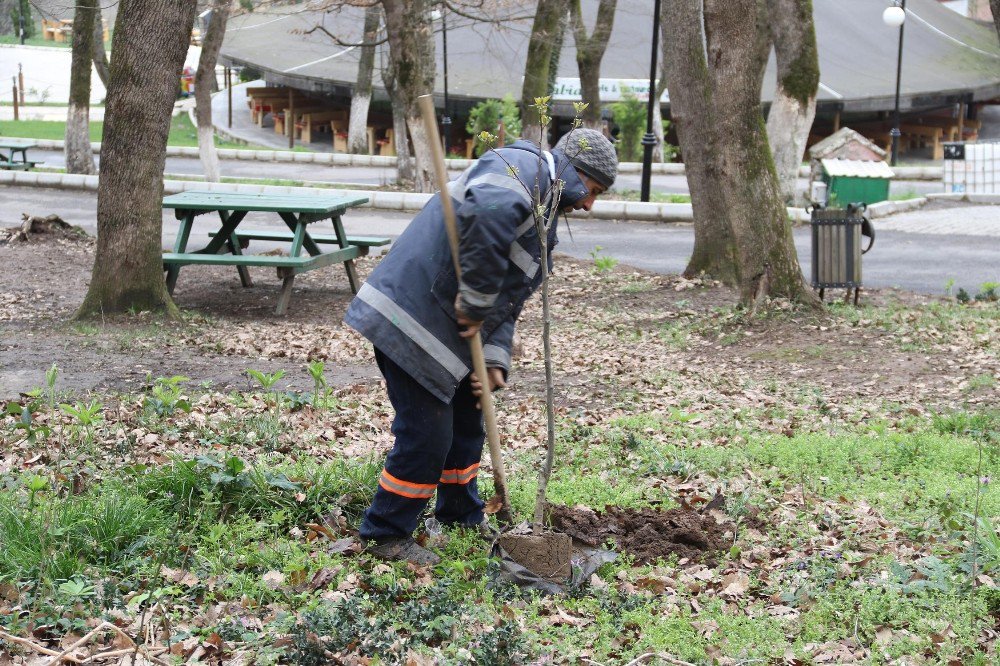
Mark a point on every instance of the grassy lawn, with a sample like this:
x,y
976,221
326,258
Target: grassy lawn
x,y
654,197
39,41
863,521
34,41
182,132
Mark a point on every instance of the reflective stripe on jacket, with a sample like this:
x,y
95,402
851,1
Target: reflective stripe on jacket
x,y
406,308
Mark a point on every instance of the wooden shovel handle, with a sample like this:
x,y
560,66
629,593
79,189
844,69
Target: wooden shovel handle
x,y
426,103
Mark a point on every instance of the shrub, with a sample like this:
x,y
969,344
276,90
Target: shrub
x,y
488,114
630,116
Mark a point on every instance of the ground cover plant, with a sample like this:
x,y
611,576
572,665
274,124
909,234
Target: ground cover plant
x,y
843,463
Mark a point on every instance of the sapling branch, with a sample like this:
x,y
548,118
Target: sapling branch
x,y
543,224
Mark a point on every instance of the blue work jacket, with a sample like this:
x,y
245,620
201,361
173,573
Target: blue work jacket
x,y
406,308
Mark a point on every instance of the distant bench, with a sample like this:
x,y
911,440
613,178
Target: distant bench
x,y
10,149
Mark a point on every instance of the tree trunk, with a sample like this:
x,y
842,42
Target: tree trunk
x,y
7,14
411,50
589,53
405,168
150,42
715,68
995,8
100,57
79,156
548,17
203,79
357,132
794,107
661,87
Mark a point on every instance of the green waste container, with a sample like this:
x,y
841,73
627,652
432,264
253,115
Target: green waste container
x,y
852,181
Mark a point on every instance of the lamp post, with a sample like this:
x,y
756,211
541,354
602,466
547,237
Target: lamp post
x,y
894,17
20,20
445,115
649,139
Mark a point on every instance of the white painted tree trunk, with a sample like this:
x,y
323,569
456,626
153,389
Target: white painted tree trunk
x,y
357,128
203,83
788,124
658,133
206,151
424,176
79,156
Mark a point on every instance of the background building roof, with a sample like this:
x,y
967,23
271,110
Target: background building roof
x,y
946,57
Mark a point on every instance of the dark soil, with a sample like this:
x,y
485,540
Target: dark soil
x,y
647,534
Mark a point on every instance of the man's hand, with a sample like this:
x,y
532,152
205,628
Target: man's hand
x,y
467,327
496,382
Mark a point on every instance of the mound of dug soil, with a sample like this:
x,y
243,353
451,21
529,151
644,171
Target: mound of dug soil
x,y
647,534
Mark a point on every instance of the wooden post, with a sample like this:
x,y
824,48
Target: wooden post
x,y
229,91
14,80
289,125
961,121
20,82
836,121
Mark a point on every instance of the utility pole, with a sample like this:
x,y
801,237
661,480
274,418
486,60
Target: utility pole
x,y
20,19
649,139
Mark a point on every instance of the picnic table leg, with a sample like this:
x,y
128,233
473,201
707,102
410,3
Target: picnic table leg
x,y
228,229
352,274
234,246
307,242
180,245
288,279
287,275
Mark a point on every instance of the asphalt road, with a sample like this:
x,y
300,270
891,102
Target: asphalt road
x,y
920,262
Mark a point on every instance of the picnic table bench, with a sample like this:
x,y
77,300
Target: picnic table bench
x,y
226,245
10,149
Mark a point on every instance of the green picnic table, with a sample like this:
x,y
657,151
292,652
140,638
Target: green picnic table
x,y
9,151
296,211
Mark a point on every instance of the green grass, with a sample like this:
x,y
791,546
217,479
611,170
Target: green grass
x,y
36,41
654,197
182,132
905,195
239,530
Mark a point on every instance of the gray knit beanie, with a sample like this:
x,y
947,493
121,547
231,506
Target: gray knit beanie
x,y
598,160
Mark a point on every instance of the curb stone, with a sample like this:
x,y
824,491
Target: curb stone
x,y
396,201
934,173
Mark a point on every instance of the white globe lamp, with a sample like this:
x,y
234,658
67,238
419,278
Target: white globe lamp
x,y
893,16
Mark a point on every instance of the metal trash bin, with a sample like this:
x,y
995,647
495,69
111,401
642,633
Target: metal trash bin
x,y
837,248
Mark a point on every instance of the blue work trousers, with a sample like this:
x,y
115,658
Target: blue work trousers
x,y
438,448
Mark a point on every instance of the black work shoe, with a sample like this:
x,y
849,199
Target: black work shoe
x,y
402,549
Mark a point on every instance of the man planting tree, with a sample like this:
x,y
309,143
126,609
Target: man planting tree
x,y
418,316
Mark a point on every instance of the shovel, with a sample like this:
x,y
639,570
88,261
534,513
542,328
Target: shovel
x,y
475,342
544,557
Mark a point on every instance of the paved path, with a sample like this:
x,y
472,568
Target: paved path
x,y
959,243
